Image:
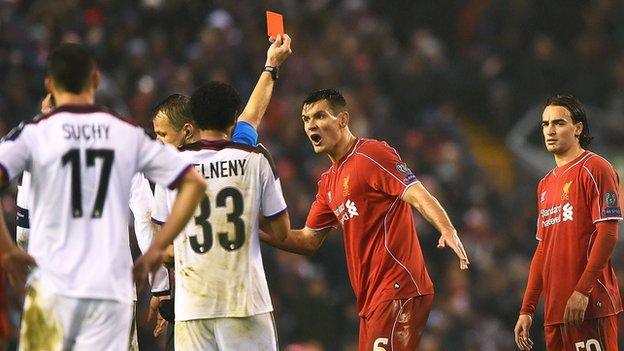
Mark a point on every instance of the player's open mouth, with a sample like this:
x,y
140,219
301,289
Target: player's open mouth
x,y
316,138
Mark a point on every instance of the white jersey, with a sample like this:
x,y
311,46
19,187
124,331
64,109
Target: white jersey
x,y
82,160
219,271
141,203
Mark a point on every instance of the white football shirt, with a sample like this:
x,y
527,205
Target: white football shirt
x,y
82,159
218,266
141,202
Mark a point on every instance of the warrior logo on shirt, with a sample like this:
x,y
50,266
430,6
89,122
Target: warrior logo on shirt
x,y
345,186
566,191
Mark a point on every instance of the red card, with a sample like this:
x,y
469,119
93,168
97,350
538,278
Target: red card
x,y
275,23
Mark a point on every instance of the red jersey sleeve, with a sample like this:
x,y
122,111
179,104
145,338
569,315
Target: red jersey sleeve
x,y
321,216
385,171
602,184
540,195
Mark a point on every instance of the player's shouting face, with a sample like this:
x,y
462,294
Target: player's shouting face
x,y
324,126
560,131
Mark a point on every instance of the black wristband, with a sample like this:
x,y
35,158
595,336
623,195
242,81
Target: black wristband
x,y
272,70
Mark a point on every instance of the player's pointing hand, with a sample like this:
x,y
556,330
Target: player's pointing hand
x,y
451,239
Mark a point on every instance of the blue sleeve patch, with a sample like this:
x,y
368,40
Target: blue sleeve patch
x,y
245,133
612,212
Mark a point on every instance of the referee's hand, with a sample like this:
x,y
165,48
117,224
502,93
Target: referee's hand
x,y
279,50
18,265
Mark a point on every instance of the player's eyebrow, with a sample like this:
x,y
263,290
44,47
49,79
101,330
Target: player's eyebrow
x,y
303,116
558,120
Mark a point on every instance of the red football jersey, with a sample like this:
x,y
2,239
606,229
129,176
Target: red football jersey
x,y
362,192
571,200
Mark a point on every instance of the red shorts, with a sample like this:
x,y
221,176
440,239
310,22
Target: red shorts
x,y
395,325
599,334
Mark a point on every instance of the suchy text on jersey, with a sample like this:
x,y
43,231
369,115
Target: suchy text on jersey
x,y
85,131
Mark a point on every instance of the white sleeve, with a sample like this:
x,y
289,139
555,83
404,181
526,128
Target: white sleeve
x,y
160,207
272,202
161,163
160,282
15,151
141,199
22,229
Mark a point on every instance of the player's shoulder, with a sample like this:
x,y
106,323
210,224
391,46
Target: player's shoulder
x,y
376,152
546,177
373,146
596,162
227,146
80,110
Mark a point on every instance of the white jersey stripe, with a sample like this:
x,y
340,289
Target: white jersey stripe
x,y
385,223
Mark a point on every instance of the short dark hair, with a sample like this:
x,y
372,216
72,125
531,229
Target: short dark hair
x,y
215,106
332,96
573,105
177,107
70,66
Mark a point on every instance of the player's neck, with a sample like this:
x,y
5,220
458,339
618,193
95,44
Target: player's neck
x,y
569,155
63,98
342,148
212,135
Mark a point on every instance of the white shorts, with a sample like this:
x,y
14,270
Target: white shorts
x,y
254,333
53,322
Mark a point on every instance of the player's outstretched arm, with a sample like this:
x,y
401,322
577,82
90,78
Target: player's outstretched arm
x,y
191,189
278,227
417,196
14,261
261,95
303,241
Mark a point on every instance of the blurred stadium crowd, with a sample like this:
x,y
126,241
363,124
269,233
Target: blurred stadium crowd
x,y
422,75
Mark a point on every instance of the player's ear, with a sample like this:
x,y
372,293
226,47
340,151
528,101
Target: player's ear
x,y
343,119
578,129
49,85
95,79
188,131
